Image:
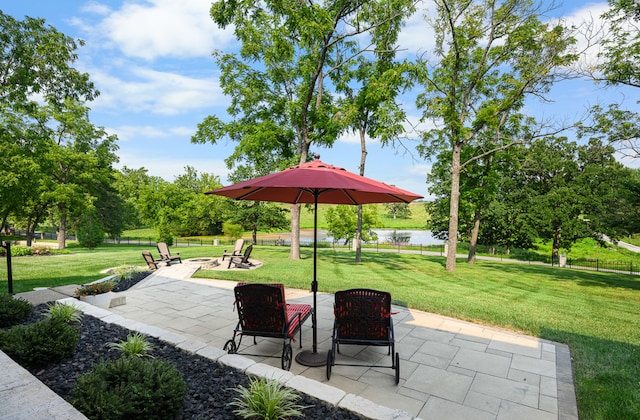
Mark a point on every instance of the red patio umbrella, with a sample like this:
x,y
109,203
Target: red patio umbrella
x,y
315,182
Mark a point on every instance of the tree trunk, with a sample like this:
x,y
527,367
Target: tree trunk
x,y
62,232
294,251
30,233
555,251
453,208
473,243
363,158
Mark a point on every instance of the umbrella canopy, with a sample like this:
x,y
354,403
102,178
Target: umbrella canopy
x,y
315,182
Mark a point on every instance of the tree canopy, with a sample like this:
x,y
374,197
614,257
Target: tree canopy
x,y
489,56
280,80
60,163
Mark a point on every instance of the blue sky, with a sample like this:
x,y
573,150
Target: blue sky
x,y
151,61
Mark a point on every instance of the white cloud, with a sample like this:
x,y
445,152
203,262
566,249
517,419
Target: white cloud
x,y
164,28
128,133
140,89
96,8
590,27
417,36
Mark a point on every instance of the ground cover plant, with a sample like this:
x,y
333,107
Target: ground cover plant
x,y
596,314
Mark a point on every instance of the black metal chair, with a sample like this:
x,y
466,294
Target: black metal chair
x,y
363,317
263,312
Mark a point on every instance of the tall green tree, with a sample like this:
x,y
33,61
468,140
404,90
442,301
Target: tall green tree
x,y
79,156
36,70
489,56
567,190
255,215
129,184
180,208
342,222
279,81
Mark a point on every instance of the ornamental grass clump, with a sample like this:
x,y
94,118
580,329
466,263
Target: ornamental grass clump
x,y
126,272
66,313
267,400
136,345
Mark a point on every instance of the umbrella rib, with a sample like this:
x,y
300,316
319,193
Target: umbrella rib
x,y
244,196
353,201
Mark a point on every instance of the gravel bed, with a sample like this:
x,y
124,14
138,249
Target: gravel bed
x,y
210,385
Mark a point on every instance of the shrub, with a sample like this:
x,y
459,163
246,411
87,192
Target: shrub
x,y
266,399
164,235
64,313
232,230
20,251
41,250
130,387
93,289
136,345
12,310
40,343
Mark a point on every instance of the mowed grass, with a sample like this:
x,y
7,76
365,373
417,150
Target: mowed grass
x,y
80,265
596,314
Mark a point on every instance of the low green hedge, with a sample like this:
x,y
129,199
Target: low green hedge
x,y
12,310
41,343
130,387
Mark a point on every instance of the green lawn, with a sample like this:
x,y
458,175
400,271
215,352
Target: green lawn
x,y
596,314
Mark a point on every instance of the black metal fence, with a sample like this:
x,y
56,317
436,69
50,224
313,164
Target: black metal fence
x,y
607,266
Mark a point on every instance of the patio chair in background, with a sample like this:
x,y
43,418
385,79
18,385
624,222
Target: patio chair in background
x,y
165,254
363,317
242,261
151,262
237,250
263,312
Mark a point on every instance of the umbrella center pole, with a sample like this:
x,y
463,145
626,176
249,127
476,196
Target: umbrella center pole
x,y
306,357
314,284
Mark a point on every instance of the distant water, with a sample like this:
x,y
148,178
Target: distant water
x,y
415,236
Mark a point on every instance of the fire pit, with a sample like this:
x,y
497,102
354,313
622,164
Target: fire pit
x,y
204,262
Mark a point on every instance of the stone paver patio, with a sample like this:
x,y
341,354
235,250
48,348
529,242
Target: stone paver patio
x,y
449,368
